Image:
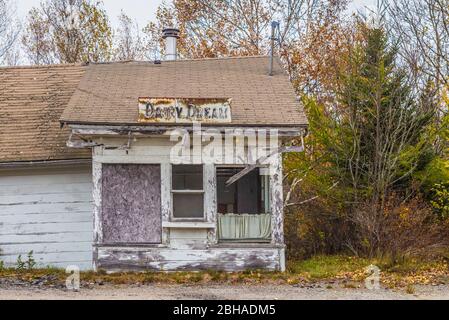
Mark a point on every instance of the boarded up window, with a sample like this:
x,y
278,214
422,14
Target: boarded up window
x,y
131,203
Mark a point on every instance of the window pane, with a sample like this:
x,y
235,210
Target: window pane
x,y
187,177
244,196
188,205
248,193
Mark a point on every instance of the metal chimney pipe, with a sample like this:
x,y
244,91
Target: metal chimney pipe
x,y
171,35
274,27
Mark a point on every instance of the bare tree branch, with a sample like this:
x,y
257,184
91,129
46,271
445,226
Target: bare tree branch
x,y
9,30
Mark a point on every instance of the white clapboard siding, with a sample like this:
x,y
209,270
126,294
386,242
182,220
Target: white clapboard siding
x,y
188,238
49,212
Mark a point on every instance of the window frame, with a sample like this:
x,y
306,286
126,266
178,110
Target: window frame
x,y
240,166
187,192
269,209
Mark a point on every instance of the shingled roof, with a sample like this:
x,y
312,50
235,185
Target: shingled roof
x,y
34,101
31,103
108,93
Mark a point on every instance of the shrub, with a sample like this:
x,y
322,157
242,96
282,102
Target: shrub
x,y
400,230
440,200
313,229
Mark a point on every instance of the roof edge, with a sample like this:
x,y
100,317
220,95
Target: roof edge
x,y
143,125
45,163
85,64
46,66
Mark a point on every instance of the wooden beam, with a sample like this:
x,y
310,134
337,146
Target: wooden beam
x,y
251,167
89,130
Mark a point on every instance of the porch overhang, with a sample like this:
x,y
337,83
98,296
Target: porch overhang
x,y
166,129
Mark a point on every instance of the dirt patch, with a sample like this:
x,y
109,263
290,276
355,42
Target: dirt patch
x,y
320,291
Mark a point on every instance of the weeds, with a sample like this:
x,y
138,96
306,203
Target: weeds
x,y
28,264
410,289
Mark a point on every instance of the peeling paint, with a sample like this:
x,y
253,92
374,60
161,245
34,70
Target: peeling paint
x,y
184,110
156,259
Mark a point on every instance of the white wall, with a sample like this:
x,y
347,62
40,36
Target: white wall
x,y
48,211
183,248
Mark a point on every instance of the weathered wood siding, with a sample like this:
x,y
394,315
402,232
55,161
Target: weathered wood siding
x,y
131,203
48,211
180,248
165,259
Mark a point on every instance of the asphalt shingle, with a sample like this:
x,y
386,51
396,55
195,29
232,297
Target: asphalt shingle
x,y
31,102
108,93
34,101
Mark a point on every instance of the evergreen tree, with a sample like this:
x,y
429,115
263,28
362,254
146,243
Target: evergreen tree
x,y
381,122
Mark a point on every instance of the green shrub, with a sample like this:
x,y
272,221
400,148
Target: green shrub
x,y
440,199
29,264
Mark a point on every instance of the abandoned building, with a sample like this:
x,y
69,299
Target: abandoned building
x,y
98,166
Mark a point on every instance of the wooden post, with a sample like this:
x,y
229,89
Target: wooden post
x,y
96,193
277,201
210,199
166,185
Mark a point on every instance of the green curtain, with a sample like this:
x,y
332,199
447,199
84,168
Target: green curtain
x,y
244,226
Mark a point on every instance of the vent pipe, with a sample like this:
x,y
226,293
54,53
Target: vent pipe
x,y
274,37
170,35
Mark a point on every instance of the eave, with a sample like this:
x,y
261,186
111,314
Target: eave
x,y
158,130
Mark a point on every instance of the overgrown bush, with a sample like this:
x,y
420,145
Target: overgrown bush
x,y
440,199
400,230
314,230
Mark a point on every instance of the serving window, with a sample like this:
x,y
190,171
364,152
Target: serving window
x,y
188,192
244,206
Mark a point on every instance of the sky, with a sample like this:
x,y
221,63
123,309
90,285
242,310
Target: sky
x,y
142,11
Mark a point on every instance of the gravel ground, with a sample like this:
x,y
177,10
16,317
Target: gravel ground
x,y
224,292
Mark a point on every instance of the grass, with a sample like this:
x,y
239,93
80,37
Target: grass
x,y
325,267
410,289
318,268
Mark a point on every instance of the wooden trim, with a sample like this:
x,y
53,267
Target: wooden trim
x,y
210,200
188,225
97,169
107,129
166,200
277,201
116,259
174,219
282,263
133,245
192,192
188,191
44,163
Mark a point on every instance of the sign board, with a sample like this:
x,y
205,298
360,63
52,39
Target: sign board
x,y
184,110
